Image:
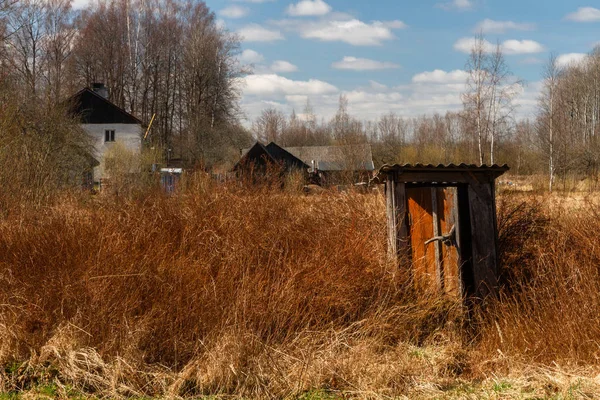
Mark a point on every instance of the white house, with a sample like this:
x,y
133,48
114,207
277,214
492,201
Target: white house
x,y
106,123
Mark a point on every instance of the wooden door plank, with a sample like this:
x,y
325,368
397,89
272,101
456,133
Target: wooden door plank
x,y
392,219
436,214
449,220
421,230
484,238
402,233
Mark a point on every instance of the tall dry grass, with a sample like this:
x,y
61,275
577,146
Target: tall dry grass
x,y
550,310
218,290
269,294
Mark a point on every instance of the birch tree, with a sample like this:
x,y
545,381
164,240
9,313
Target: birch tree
x,y
488,99
548,115
476,96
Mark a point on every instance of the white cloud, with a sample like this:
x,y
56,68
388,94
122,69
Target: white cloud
x,y
430,92
221,24
272,84
491,26
368,102
353,31
440,76
234,12
80,4
461,5
362,97
396,24
251,57
257,33
522,47
283,66
465,45
309,8
363,64
567,60
584,14
509,47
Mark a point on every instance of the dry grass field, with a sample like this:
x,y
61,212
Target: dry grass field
x,y
225,292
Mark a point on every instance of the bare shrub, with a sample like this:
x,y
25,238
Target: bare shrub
x,y
42,152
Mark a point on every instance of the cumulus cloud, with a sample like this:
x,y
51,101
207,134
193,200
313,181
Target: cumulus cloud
x,y
510,47
440,76
465,45
567,60
258,33
522,47
234,12
491,26
251,57
347,30
460,5
273,84
584,14
363,64
365,102
396,24
283,66
309,8
430,92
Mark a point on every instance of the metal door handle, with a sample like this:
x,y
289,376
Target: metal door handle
x,y
448,239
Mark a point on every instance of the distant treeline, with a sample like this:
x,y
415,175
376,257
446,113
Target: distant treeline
x,y
561,140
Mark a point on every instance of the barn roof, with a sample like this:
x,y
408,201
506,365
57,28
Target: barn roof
x,y
441,173
91,108
283,156
255,154
327,158
336,158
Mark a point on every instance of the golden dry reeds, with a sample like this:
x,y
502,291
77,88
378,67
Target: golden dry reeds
x,y
268,293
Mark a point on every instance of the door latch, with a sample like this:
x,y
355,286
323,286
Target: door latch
x,y
449,239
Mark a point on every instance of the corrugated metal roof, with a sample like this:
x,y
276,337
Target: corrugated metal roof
x,y
439,170
334,158
443,167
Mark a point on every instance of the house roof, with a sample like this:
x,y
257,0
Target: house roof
x,y
336,158
91,108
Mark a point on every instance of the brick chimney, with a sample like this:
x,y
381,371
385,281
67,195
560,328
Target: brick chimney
x,y
100,89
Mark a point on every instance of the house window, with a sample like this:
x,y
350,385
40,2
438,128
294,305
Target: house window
x,y
109,135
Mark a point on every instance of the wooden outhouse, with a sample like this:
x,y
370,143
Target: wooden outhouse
x,y
443,219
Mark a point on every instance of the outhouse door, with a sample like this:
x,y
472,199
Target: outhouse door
x,y
434,235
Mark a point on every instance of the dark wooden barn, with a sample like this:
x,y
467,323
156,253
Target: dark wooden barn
x,y
260,159
328,165
443,219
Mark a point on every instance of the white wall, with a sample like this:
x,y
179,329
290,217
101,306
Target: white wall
x,y
129,135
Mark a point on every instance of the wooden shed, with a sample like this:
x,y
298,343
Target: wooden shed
x,y
443,219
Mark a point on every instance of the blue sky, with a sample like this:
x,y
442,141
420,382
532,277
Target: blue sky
x,y
402,56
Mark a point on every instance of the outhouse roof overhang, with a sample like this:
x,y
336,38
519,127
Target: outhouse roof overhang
x,y
448,174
